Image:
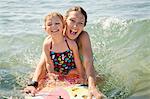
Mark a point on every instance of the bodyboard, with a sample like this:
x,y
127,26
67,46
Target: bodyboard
x,y
75,91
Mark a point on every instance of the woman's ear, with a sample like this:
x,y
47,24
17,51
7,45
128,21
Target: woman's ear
x,y
65,29
64,17
64,24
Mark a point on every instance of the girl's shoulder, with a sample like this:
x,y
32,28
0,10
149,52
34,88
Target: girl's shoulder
x,y
47,41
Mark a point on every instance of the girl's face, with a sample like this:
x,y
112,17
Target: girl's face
x,y
54,26
75,24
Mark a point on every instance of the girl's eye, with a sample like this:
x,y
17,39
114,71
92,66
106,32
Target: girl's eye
x,y
72,20
49,25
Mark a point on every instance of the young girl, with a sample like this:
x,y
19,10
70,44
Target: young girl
x,y
61,54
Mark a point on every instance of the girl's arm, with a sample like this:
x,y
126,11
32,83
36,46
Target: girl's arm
x,y
46,51
40,71
39,74
74,48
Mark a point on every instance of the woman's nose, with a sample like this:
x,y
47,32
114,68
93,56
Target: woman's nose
x,y
75,25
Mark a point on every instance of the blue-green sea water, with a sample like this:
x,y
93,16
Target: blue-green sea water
x,y
120,37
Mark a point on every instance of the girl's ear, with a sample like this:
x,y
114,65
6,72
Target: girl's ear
x,y
43,27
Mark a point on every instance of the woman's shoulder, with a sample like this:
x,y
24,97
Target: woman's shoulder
x,y
84,33
83,37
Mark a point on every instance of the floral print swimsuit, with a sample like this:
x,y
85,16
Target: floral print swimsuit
x,y
63,64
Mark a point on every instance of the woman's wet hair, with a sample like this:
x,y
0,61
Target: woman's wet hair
x,y
80,9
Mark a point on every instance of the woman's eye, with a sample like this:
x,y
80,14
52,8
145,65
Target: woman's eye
x,y
81,23
57,23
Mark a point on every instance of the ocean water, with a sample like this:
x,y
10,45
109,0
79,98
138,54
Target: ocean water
x,y
120,37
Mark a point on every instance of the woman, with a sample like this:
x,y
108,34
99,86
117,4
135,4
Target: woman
x,y
76,19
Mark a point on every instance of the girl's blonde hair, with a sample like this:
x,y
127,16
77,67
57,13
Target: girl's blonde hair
x,y
53,14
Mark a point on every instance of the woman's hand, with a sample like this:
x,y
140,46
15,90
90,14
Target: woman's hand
x,y
94,92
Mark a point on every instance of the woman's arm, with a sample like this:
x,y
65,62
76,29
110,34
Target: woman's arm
x,y
86,52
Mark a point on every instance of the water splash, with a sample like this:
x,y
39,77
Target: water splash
x,y
120,53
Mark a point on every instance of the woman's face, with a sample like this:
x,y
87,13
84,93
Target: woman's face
x,y
75,24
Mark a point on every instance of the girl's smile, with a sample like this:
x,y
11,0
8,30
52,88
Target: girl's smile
x,y
54,26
